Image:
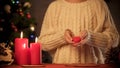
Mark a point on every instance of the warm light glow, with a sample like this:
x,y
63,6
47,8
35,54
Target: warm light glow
x,y
36,39
21,34
32,28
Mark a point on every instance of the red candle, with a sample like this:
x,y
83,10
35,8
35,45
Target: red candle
x,y
21,50
36,54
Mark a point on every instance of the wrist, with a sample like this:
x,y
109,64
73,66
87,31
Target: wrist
x,y
88,36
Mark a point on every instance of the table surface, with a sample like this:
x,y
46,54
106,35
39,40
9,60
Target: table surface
x,y
61,66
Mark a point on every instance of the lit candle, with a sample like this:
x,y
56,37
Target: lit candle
x,y
21,50
36,54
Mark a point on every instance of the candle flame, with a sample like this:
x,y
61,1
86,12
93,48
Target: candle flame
x,y
36,39
21,34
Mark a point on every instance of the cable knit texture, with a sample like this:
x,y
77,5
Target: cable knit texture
x,y
90,15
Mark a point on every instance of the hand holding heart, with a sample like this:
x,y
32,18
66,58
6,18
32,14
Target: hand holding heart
x,y
68,36
80,40
75,40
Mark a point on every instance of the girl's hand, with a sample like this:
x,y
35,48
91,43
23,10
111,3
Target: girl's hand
x,y
83,36
68,36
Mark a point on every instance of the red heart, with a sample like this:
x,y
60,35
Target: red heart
x,y
76,39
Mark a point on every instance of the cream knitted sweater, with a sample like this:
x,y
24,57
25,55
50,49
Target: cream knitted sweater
x,y
91,15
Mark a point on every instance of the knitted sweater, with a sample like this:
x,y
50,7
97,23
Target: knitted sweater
x,y
90,15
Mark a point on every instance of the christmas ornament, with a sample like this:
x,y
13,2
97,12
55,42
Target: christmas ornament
x,y
20,5
28,15
11,43
32,28
27,4
14,27
21,12
7,8
1,29
32,36
13,1
17,2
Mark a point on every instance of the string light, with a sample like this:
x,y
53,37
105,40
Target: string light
x,y
13,1
32,28
17,2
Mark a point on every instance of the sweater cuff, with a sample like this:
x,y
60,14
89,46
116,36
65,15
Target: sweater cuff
x,y
97,39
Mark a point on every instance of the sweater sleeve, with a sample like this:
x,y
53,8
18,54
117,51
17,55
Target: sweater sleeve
x,y
105,34
50,36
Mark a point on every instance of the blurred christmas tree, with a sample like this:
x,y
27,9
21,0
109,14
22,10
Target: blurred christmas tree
x,y
22,20
15,17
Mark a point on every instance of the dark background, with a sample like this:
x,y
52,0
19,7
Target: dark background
x,y
39,7
38,10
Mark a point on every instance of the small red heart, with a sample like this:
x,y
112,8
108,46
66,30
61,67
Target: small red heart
x,y
76,39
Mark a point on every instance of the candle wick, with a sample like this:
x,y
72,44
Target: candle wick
x,y
36,39
21,35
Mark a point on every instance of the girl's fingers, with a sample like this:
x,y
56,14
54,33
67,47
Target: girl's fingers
x,y
83,34
68,36
68,39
